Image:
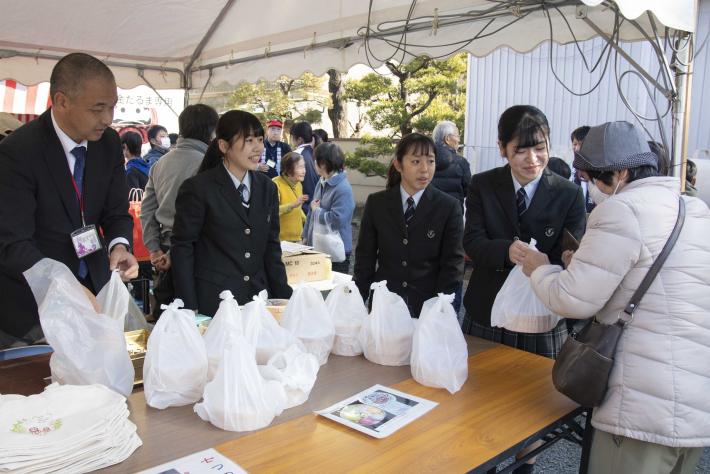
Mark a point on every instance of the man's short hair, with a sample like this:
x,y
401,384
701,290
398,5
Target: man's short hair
x,y
691,169
580,133
155,130
70,72
133,142
198,122
559,166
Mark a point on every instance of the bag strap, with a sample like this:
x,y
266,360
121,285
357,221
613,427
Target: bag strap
x,y
660,260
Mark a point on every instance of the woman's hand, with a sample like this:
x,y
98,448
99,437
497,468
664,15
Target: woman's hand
x,y
517,251
301,199
567,257
534,259
315,204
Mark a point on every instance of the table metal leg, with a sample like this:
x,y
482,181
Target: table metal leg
x,y
586,442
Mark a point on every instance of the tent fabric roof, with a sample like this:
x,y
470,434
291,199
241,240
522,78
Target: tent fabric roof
x,y
289,37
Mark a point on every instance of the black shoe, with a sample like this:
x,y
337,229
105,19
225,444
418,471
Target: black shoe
x,y
524,469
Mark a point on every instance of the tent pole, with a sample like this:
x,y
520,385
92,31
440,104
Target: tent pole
x,y
682,66
142,76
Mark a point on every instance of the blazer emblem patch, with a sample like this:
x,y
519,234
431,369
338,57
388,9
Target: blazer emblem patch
x,y
431,234
549,231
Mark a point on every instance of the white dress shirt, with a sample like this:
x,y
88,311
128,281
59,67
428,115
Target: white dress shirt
x,y
530,188
417,196
246,182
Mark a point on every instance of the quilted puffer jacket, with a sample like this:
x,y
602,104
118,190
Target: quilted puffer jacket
x,y
659,387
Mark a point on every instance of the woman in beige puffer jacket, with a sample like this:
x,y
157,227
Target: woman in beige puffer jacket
x,y
658,399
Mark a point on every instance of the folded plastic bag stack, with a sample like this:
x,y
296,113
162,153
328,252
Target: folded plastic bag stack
x,y
439,350
88,347
239,398
271,337
66,428
348,312
175,368
306,316
386,335
225,324
517,307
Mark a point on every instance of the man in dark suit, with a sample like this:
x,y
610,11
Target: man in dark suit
x,y
60,174
494,223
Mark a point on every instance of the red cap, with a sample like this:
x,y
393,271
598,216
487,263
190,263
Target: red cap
x,y
274,123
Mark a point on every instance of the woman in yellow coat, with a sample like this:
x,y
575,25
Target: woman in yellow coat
x,y
291,197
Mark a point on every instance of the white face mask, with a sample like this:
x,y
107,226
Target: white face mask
x,y
597,195
165,142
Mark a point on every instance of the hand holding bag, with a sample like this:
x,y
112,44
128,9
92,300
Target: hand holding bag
x,y
582,368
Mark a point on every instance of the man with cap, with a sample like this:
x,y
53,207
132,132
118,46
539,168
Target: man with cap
x,y
274,149
655,417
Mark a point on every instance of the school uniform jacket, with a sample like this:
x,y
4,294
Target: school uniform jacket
x,y
492,224
218,244
40,210
418,261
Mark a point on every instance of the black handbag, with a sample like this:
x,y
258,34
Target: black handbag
x,y
582,368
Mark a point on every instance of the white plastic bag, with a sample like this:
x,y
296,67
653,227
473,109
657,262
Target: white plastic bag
x,y
88,347
115,301
271,337
175,368
295,370
348,312
326,239
306,316
439,350
386,335
239,398
517,308
225,323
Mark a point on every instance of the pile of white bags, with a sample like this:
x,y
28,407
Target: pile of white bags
x,y
517,307
88,347
348,312
225,324
66,428
386,336
439,350
306,316
239,398
271,337
175,368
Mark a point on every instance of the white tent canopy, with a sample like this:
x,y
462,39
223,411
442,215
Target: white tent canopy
x,y
184,44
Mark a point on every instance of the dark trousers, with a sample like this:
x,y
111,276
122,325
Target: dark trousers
x,y
342,267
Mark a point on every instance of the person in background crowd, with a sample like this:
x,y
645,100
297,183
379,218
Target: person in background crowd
x,y
302,138
159,144
136,167
558,166
452,175
291,197
274,149
411,233
197,125
226,230
577,138
173,140
8,123
655,417
664,163
691,174
59,174
321,134
333,203
506,207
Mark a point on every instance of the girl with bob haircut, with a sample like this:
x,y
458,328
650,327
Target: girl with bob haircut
x,y
411,232
291,197
226,231
333,203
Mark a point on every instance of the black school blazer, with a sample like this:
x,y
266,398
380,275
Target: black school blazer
x,y
218,245
418,261
492,225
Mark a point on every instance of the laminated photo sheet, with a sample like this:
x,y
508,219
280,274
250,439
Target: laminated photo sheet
x,y
378,411
208,461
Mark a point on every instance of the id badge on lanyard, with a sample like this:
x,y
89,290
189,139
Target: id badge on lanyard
x,y
85,239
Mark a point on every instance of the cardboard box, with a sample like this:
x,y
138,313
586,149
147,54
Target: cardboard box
x,y
306,265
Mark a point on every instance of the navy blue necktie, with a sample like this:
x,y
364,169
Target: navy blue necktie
x,y
80,155
522,206
409,213
241,189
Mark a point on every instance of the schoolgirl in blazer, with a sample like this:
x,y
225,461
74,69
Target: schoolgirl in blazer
x,y
411,233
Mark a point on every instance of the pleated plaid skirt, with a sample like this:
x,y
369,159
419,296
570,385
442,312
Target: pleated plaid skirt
x,y
547,344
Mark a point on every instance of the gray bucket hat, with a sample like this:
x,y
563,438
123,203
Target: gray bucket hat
x,y
614,146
